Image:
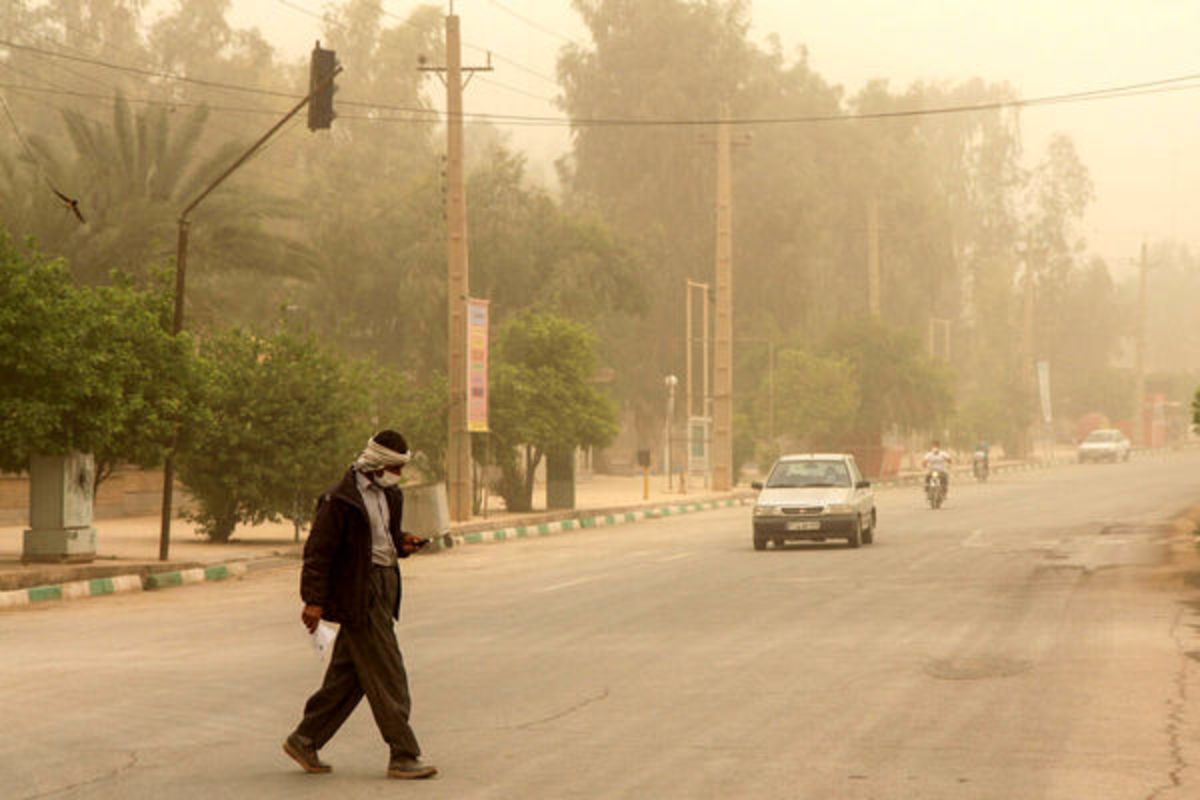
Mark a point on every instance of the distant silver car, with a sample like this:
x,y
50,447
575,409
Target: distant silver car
x,y
1104,444
814,497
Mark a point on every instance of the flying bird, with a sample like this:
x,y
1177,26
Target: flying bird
x,y
70,203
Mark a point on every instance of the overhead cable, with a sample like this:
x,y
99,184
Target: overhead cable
x,y
1176,83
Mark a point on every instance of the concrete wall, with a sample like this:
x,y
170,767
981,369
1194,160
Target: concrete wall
x,y
128,492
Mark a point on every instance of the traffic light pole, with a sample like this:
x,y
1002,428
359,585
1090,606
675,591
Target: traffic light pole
x,y
164,538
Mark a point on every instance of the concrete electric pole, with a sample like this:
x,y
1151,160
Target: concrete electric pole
x,y
1139,358
873,254
693,428
458,450
722,450
1028,345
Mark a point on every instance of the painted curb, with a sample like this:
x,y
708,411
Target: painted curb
x,y
535,530
119,584
182,577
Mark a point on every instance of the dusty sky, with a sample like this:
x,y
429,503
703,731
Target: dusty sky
x,y
1141,151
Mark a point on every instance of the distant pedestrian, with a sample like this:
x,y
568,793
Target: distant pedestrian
x,y
351,576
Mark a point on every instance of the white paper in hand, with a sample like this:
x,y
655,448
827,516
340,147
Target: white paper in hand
x,y
322,639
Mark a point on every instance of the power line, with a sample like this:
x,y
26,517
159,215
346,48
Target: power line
x,y
1117,92
67,201
431,116
137,100
163,75
103,43
514,89
1111,92
534,24
522,67
498,56
150,73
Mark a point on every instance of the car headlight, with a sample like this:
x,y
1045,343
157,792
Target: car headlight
x,y
839,508
767,511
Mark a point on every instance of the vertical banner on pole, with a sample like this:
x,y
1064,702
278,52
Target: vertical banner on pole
x,y
477,365
1043,375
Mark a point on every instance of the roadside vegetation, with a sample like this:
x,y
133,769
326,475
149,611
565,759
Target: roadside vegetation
x,y
316,292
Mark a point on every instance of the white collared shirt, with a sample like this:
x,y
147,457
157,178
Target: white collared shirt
x,y
383,549
937,460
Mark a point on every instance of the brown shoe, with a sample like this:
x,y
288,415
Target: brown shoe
x,y
410,769
303,753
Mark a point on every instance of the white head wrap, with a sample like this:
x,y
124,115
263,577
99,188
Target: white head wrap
x,y
376,457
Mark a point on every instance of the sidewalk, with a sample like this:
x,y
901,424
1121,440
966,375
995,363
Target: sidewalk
x,y
129,546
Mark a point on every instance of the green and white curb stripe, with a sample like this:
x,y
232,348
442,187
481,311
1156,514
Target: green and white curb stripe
x,y
118,584
218,572
71,591
534,530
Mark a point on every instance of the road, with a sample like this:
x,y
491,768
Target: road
x,y
1025,642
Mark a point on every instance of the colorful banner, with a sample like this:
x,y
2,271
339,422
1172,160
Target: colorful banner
x,y
477,365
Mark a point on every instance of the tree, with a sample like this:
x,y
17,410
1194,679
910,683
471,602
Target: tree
x,y
153,373
822,397
898,384
541,399
133,176
652,184
283,419
87,369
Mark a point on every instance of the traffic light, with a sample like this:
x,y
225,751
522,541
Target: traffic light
x,y
320,80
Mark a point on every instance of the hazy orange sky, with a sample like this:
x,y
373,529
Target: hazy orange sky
x,y
1140,150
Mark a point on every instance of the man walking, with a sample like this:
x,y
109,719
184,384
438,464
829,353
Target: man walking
x,y
351,576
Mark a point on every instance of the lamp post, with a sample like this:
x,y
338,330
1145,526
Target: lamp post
x,y
670,382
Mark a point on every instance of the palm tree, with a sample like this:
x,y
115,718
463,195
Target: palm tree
x,y
132,178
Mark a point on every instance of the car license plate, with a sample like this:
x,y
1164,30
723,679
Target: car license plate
x,y
805,525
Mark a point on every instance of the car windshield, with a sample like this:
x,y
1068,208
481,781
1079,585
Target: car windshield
x,y
1101,436
798,474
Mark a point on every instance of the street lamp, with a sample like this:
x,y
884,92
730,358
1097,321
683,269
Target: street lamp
x,y
670,382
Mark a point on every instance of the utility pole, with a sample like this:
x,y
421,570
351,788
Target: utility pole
x,y
722,451
705,291
458,450
689,340
1139,358
1029,356
873,253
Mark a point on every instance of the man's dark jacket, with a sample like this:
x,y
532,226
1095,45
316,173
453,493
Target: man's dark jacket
x,y
337,555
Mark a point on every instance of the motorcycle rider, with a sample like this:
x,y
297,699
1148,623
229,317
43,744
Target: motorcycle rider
x,y
937,460
980,459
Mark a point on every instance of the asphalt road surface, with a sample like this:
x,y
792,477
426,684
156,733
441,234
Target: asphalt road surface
x,y
1026,641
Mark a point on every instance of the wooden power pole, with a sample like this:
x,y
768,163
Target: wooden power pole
x,y
458,450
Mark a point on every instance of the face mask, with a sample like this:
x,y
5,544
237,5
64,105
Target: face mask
x,y
386,480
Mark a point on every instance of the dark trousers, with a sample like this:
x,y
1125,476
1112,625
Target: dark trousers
x,y
366,660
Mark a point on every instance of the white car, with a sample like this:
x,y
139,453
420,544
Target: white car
x,y
814,497
1104,444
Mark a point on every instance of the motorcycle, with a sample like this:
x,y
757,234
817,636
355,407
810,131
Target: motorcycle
x,y
979,465
935,489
